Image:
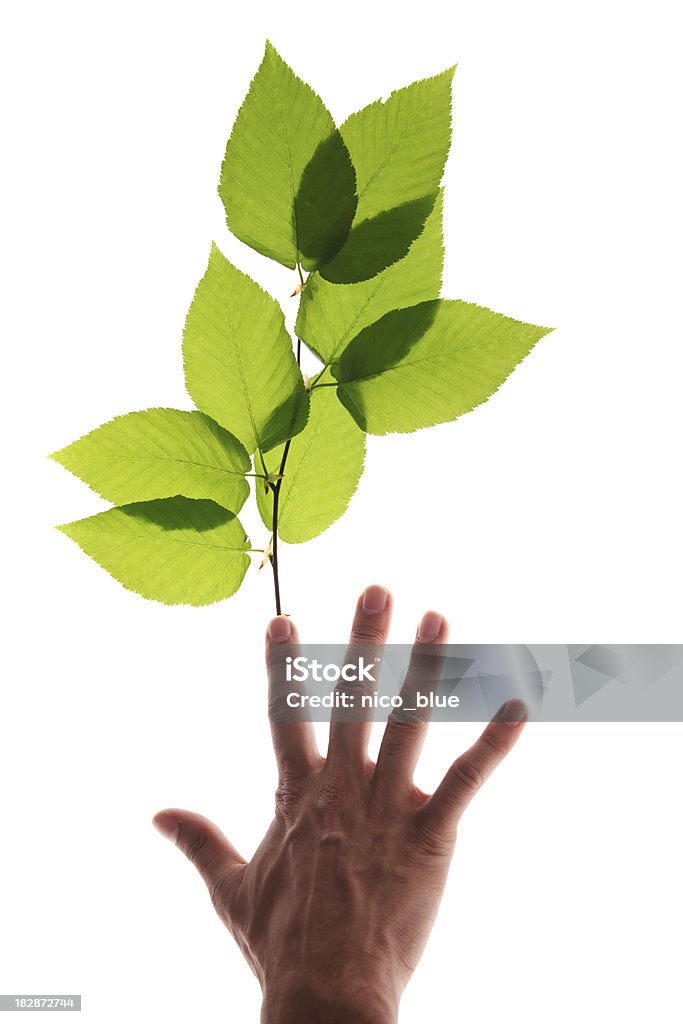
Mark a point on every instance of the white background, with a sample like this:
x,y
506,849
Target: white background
x,y
552,514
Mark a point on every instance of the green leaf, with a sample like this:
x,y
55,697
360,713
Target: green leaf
x,y
158,453
177,551
399,149
428,364
330,314
239,364
377,243
323,467
287,181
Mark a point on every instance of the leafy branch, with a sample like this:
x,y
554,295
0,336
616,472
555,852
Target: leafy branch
x,y
359,209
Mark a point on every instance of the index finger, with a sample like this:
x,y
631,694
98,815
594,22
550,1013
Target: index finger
x,y
293,737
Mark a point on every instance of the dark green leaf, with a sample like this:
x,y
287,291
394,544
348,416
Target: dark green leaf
x,y
330,315
377,243
399,150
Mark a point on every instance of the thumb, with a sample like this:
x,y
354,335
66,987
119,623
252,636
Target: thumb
x,y
205,846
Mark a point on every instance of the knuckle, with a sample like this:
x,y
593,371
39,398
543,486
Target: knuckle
x,y
332,838
496,748
426,664
357,690
406,723
432,841
278,708
332,791
194,846
368,631
467,775
289,794
275,659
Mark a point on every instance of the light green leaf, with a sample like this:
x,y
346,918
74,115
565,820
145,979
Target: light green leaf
x,y
287,181
158,453
239,364
399,149
428,364
323,467
177,551
330,315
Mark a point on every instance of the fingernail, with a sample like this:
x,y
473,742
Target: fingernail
x,y
167,825
280,629
375,598
430,627
514,712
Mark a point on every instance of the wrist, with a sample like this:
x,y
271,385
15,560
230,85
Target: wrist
x,y
304,1005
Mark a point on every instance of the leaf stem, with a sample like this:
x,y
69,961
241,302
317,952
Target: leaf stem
x,y
276,507
263,463
276,499
321,373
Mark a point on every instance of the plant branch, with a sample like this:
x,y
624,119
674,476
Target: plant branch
x,y
276,508
276,496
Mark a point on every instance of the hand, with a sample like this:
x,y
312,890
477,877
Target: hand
x,y
334,909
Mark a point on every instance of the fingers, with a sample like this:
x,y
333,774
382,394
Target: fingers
x,y
205,846
349,734
407,727
465,777
293,738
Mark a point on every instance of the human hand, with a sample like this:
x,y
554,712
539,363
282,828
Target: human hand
x,y
334,909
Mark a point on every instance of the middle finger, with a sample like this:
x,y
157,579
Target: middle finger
x,y
350,730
